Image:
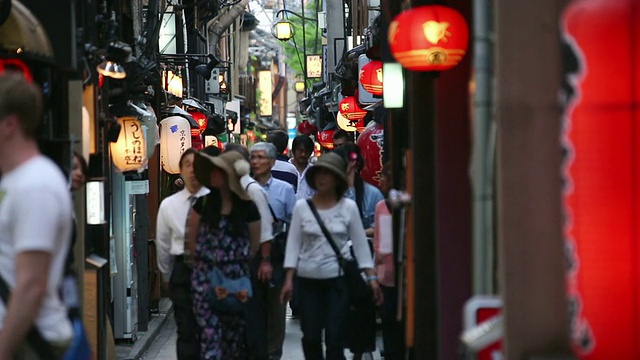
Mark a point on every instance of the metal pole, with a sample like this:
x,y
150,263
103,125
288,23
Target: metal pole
x,y
304,46
483,151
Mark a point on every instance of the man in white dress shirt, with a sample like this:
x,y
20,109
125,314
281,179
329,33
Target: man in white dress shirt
x,y
170,239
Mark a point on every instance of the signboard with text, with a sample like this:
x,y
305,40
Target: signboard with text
x,y
314,66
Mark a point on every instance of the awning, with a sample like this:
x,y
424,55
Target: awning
x,y
23,33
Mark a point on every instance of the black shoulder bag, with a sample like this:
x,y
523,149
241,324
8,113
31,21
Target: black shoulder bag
x,y
359,290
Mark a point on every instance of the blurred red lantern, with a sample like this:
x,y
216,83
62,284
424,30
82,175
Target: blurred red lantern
x,y
325,138
602,140
371,144
350,109
307,128
428,38
201,119
371,77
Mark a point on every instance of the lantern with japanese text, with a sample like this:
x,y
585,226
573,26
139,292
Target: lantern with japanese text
x,y
428,38
350,109
129,153
325,138
201,118
371,77
175,138
371,144
601,188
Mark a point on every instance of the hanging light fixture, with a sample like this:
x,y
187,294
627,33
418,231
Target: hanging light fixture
x,y
282,30
111,69
428,38
371,77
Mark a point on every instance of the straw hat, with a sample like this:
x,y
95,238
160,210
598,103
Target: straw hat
x,y
231,162
330,161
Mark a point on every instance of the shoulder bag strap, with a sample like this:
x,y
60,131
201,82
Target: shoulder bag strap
x,y
273,214
34,338
326,232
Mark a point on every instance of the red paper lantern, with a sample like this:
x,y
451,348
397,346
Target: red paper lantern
x,y
350,109
601,191
371,77
307,128
371,144
325,138
428,38
201,119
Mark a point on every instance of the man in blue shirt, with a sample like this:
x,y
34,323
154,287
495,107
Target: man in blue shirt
x,y
281,197
283,169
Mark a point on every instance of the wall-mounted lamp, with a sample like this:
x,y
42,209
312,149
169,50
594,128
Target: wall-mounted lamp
x,y
205,69
117,53
393,85
111,69
173,83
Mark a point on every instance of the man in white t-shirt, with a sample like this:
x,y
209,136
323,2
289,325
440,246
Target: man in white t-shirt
x,y
35,226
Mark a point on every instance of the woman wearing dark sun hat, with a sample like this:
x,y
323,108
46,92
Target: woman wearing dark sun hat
x,y
322,289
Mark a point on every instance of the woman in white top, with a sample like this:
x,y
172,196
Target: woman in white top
x,y
322,289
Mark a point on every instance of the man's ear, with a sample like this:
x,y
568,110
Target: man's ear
x,y
10,124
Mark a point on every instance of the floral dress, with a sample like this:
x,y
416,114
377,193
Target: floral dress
x,y
222,335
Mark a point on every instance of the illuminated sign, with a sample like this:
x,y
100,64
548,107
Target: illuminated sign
x,y
265,87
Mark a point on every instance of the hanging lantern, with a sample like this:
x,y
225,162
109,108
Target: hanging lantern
x,y
201,119
350,109
350,125
371,77
371,144
129,153
600,193
175,138
428,38
325,138
307,128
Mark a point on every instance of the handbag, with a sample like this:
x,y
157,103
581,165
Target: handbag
x,y
359,290
228,296
79,349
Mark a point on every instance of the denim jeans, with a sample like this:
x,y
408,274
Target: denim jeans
x,y
323,306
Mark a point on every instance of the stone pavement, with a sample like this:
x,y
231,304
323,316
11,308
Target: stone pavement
x,y
162,345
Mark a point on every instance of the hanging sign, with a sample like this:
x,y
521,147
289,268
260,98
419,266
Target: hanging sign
x,y
314,66
129,153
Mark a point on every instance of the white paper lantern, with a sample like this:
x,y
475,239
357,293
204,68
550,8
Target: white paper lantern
x,y
129,153
175,139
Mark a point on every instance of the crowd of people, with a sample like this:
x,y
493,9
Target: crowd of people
x,y
251,231
254,230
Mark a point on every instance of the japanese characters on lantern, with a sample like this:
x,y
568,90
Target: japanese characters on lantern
x,y
428,38
129,153
175,138
371,77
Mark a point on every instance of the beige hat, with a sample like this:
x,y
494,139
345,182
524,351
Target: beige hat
x,y
231,162
331,161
